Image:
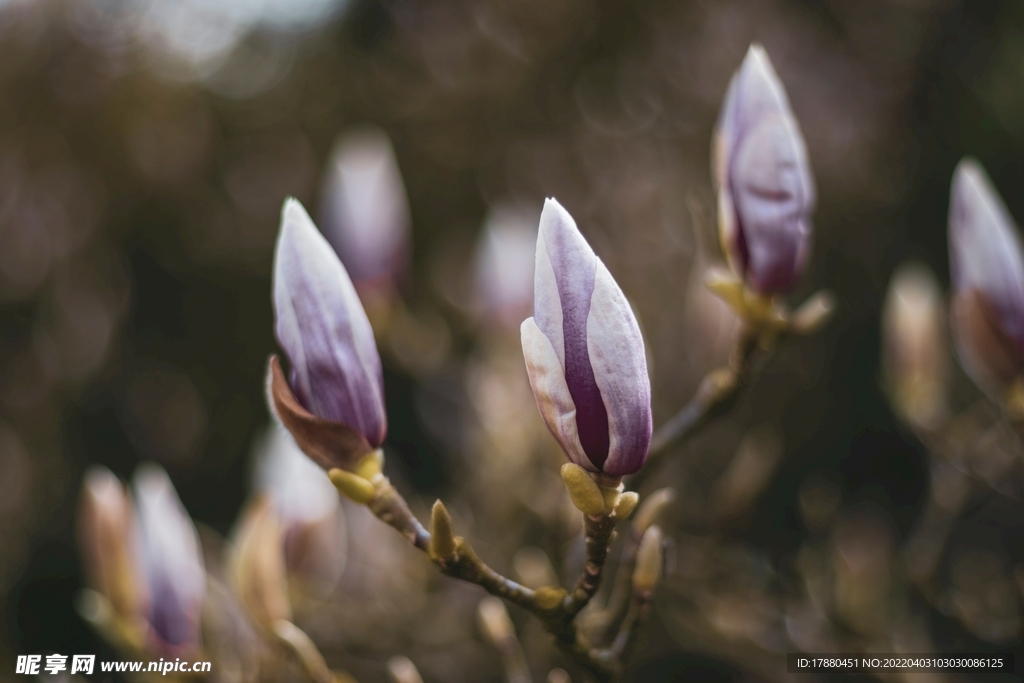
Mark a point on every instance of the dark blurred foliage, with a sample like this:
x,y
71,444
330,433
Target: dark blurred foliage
x,y
140,191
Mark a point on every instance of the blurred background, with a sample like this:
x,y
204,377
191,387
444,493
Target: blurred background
x,y
146,148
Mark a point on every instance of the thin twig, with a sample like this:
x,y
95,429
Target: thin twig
x,y
714,396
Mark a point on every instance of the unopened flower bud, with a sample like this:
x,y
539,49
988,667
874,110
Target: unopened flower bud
x,y
333,399
442,533
763,178
914,351
365,213
584,353
583,490
649,560
651,509
352,486
987,269
172,562
257,565
625,504
107,533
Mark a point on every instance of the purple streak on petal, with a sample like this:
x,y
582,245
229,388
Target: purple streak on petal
x,y
620,369
322,327
171,561
574,265
984,247
168,616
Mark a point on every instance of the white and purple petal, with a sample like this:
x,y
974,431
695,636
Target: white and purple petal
x,y
616,350
323,329
762,174
171,560
547,379
568,261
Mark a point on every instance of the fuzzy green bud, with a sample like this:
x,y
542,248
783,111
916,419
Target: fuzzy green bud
x,y
442,533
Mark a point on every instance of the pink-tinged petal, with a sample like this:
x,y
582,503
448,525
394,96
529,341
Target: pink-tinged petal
x,y
323,329
171,561
985,249
616,350
763,179
108,535
573,264
552,393
365,212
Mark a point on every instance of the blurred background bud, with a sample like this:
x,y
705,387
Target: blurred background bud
x,y
585,354
863,547
763,177
914,353
748,473
107,535
306,503
364,212
987,270
172,563
650,560
503,266
402,670
257,565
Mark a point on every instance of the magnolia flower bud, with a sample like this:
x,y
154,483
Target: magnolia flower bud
x,y
584,353
988,282
333,400
172,562
763,179
107,535
364,212
914,351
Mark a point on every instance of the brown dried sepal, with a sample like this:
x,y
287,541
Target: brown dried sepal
x,y
992,353
327,443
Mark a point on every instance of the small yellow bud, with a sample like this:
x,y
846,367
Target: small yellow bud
x,y
371,465
610,496
583,490
726,286
649,560
352,486
651,509
625,504
813,313
442,533
549,597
